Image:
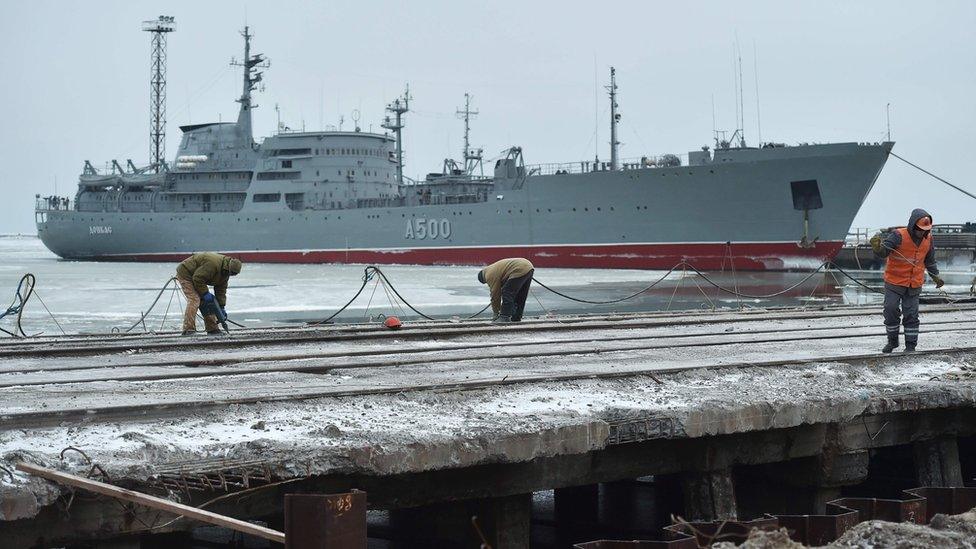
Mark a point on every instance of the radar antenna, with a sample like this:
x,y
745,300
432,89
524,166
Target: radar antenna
x,y
472,157
157,89
614,119
398,107
251,64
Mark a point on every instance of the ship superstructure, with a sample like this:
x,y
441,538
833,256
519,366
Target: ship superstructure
x,y
341,196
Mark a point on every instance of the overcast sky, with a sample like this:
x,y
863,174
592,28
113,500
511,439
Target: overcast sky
x,y
76,81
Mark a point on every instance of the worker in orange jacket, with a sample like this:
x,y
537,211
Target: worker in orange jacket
x,y
910,254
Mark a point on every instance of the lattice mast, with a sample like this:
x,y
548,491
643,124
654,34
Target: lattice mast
x,y
614,119
157,89
250,64
398,107
472,157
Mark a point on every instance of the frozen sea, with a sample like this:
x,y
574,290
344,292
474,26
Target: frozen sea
x,y
90,297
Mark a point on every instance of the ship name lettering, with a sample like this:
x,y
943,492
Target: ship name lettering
x,y
100,229
421,228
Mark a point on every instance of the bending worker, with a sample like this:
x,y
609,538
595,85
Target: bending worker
x,y
509,281
910,253
195,274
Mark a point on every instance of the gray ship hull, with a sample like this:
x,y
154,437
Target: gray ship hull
x,y
647,218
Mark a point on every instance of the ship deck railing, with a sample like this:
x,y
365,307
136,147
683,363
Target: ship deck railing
x,y
53,204
587,166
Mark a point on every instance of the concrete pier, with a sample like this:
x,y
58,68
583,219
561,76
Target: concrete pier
x,y
442,421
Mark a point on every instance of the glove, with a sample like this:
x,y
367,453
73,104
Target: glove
x,y
938,280
876,243
208,297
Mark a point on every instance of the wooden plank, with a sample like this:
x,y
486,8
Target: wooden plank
x,y
153,502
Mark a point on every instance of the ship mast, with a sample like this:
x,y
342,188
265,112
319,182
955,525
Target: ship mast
x,y
398,107
472,157
157,90
251,64
614,119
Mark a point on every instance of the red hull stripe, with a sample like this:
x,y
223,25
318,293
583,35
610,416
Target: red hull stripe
x,y
754,256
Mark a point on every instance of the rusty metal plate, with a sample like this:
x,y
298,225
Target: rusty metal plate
x,y
819,529
325,521
947,501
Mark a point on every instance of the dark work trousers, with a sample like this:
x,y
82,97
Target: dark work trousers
x,y
514,293
899,302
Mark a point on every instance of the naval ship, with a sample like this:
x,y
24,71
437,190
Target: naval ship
x,y
341,197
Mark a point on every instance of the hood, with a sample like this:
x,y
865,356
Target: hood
x,y
231,265
917,213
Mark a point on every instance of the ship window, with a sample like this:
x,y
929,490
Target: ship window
x,y
292,152
267,197
286,163
806,195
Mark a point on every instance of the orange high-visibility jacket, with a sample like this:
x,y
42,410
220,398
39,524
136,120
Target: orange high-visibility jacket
x,y
906,263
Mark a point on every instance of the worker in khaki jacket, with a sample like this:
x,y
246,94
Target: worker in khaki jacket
x,y
509,281
910,254
195,274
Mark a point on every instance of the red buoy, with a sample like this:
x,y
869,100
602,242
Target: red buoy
x,y
392,323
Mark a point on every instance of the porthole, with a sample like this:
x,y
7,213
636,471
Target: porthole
x,y
574,209
597,208
586,209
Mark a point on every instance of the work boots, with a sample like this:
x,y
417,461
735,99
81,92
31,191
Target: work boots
x,y
502,319
892,345
910,347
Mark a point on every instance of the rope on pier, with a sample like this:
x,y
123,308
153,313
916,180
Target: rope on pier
x,y
373,271
25,290
685,266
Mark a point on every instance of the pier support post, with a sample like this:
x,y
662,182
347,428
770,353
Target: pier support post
x,y
505,523
799,486
937,462
709,495
577,512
